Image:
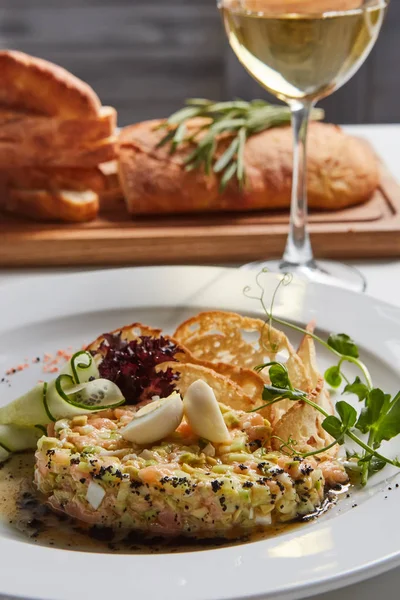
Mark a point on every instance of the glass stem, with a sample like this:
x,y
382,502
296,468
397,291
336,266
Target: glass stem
x,y
298,251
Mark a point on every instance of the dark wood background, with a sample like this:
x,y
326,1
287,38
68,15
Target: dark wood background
x,y
146,56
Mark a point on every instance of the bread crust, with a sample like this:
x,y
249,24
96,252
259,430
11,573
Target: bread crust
x,y
58,178
38,132
44,205
342,171
43,88
88,154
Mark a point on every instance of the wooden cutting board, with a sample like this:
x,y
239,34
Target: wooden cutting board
x,y
368,231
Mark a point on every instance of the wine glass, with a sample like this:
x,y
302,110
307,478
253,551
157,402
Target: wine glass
x,y
302,51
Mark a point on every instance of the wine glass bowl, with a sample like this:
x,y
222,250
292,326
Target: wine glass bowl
x,y
301,51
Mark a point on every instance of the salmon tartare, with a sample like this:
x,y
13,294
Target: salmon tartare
x,y
182,485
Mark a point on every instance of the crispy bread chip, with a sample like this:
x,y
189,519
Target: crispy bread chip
x,y
302,422
226,391
251,384
226,337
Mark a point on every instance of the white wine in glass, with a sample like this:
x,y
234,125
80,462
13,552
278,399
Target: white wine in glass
x,y
302,51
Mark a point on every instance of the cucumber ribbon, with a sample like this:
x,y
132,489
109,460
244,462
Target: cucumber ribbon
x,y
76,391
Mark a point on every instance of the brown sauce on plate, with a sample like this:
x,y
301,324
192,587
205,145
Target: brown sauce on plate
x,y
22,508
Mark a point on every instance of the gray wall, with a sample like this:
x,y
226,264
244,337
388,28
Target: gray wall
x,y
146,56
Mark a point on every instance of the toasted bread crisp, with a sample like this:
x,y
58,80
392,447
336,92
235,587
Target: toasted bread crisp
x,y
40,87
302,422
226,391
225,337
221,336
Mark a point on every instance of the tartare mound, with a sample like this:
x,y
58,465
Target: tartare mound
x,y
182,485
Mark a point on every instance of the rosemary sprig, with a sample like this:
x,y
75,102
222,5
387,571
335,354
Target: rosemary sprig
x,y
237,120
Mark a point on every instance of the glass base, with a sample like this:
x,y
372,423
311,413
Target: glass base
x,y
325,271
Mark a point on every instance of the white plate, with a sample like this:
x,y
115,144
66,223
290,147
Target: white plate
x,y
344,546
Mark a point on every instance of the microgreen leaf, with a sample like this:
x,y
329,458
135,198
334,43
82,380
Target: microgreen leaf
x,y
279,376
333,376
347,413
333,426
389,424
358,388
343,344
376,403
363,423
375,465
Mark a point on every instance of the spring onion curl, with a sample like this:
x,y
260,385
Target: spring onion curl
x,y
76,391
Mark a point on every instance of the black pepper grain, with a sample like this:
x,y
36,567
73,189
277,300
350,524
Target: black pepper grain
x,y
216,485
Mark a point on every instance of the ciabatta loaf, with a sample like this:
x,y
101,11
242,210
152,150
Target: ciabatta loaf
x,y
342,171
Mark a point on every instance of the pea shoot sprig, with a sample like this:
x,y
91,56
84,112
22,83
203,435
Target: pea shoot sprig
x,y
379,416
236,120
